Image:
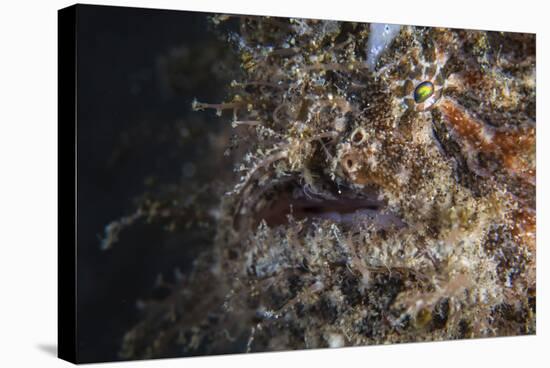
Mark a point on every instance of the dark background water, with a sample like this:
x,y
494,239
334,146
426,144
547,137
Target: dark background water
x,y
133,100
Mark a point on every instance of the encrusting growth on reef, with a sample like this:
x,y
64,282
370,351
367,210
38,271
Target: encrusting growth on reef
x,y
381,202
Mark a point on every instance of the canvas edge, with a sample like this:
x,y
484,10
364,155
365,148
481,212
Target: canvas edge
x,y
67,216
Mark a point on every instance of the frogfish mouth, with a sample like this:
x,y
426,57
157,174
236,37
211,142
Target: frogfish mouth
x,y
344,206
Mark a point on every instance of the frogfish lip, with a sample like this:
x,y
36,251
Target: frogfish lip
x,y
346,208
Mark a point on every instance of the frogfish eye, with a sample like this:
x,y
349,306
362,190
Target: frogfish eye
x,y
423,91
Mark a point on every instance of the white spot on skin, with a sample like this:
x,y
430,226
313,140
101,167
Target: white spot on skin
x,y
380,37
403,176
335,340
340,125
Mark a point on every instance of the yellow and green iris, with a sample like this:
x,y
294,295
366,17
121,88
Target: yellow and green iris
x,y
423,91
